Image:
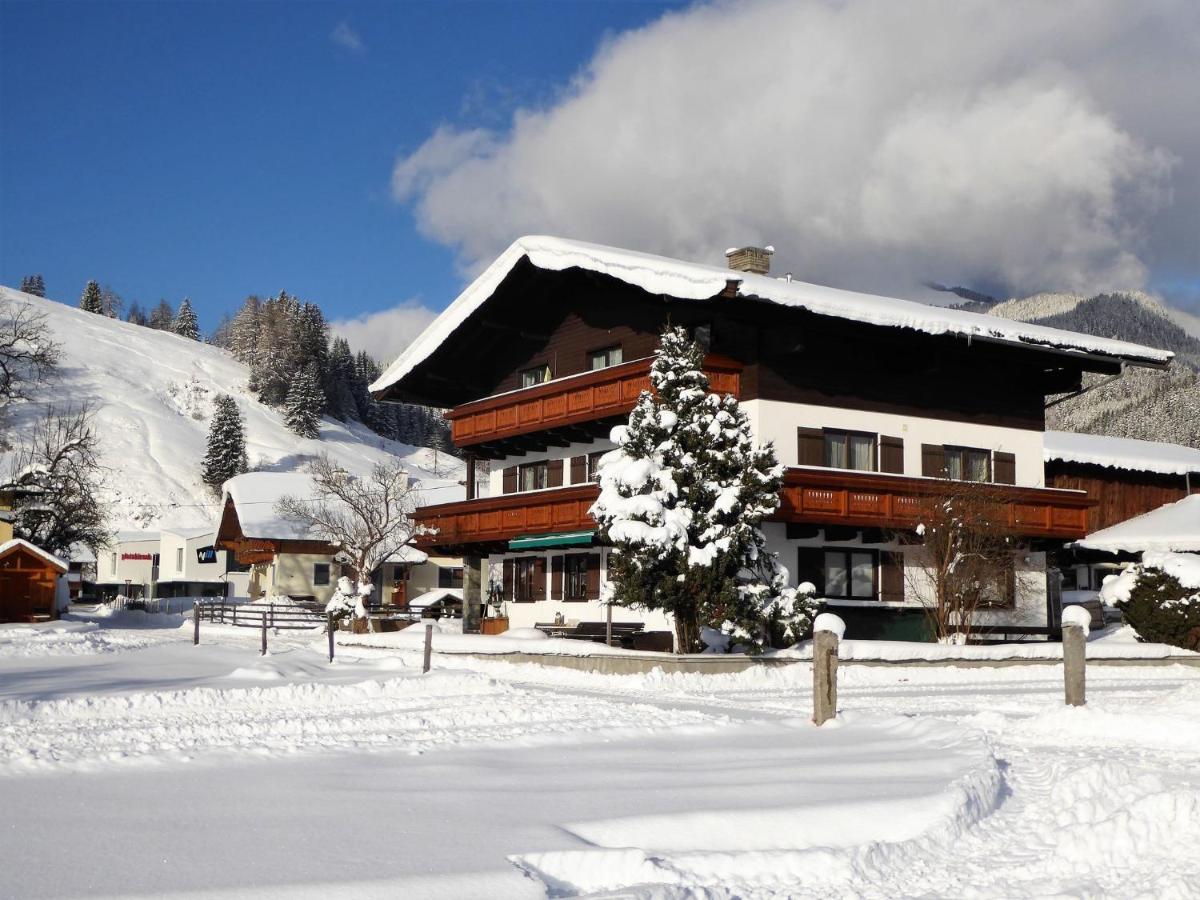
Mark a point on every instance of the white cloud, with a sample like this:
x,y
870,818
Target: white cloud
x,y
347,38
1020,146
385,333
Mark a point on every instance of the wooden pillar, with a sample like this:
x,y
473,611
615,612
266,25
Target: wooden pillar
x,y
469,458
428,648
825,660
472,593
1074,665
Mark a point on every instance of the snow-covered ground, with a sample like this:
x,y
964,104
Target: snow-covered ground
x,y
152,393
134,764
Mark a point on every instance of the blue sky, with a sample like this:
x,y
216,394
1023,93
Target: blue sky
x,y
370,155
214,150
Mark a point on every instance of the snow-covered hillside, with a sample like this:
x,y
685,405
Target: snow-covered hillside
x,y
152,392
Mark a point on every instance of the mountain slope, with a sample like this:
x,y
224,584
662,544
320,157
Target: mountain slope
x,y
1156,406
152,393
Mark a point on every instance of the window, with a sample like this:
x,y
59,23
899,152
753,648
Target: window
x,y
575,577
450,577
850,574
320,574
536,375
850,450
113,567
593,465
968,464
524,574
602,359
178,559
533,476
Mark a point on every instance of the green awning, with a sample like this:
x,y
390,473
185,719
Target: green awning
x,y
563,539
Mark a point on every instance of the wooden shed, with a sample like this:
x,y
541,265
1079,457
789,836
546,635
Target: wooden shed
x,y
28,577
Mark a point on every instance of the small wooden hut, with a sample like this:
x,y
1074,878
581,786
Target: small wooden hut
x,y
28,577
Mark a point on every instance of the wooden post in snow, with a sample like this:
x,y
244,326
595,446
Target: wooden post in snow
x,y
428,646
827,631
608,626
1076,622
195,622
331,623
264,633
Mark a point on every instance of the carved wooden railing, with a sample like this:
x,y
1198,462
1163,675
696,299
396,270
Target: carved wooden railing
x,y
568,401
872,500
497,519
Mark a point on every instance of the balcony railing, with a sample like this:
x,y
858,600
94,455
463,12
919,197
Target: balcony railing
x,y
570,401
872,500
810,496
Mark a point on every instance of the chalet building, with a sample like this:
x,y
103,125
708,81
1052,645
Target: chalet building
x,y
870,402
33,584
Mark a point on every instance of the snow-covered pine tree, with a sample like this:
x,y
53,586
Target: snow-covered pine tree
x,y
110,302
29,285
244,331
339,380
304,405
37,286
225,456
162,317
681,502
186,325
91,300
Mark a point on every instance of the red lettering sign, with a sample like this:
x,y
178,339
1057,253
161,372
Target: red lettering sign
x,y
141,556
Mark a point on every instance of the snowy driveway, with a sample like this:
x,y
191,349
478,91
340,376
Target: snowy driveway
x,y
146,766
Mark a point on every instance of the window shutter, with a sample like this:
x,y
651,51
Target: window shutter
x,y
933,460
539,578
554,473
556,576
891,577
891,455
578,469
1005,468
508,579
810,566
810,448
510,480
593,576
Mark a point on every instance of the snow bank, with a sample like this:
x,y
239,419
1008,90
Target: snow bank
x,y
693,281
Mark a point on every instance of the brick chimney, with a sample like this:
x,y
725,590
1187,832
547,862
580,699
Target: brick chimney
x,y
756,260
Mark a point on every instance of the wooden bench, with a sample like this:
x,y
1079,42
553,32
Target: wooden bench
x,y
622,632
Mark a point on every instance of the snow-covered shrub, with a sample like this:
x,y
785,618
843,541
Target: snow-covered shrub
x,y
681,501
349,600
1160,598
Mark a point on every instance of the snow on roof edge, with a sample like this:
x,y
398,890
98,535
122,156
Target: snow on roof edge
x,y
696,281
1173,527
1120,453
33,548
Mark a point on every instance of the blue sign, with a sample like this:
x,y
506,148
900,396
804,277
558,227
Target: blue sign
x,y
206,555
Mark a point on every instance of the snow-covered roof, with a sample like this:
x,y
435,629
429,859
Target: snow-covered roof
x,y
695,281
136,537
409,554
255,495
190,533
1174,527
35,550
431,597
1120,453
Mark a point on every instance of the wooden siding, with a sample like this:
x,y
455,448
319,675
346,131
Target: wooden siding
x,y
27,585
1119,494
595,395
500,519
872,500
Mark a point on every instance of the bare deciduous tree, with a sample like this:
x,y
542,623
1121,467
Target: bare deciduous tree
x,y
54,471
963,557
367,518
27,353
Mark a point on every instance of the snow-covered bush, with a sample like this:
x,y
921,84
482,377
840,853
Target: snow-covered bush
x,y
681,501
1160,598
349,600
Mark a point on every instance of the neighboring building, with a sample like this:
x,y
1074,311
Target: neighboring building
x,y
81,576
128,566
413,573
870,402
29,579
6,507
1125,477
190,565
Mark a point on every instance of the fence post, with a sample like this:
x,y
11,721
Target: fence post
x,y
428,645
234,613
1076,622
827,631
331,637
608,627
195,622
264,634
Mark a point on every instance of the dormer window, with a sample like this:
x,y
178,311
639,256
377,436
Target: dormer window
x,y
602,359
536,375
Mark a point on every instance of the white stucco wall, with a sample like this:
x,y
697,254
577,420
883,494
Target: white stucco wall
x,y
292,574
496,478
115,567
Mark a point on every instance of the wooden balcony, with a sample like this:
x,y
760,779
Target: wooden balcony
x,y
872,500
573,408
489,523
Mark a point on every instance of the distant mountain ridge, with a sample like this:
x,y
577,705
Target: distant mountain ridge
x,y
1145,404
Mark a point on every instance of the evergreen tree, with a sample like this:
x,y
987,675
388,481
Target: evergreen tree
x,y
304,405
226,453
222,335
681,501
110,302
339,381
34,285
244,331
91,301
186,324
162,317
136,314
